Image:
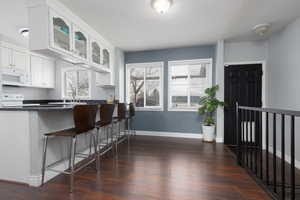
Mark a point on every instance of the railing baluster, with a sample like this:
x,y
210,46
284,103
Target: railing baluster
x,y
260,145
251,142
238,133
282,157
255,141
242,137
293,187
274,154
267,148
247,149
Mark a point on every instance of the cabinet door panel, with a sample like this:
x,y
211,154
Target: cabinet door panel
x,y
95,53
48,73
21,60
36,71
80,44
60,32
106,58
5,59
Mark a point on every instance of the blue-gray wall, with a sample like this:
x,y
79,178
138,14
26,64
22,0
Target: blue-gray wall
x,y
183,122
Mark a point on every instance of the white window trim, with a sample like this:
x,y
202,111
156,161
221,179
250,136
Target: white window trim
x,y
63,70
144,65
180,62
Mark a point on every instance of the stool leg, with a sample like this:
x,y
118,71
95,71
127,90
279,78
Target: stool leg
x,y
73,150
128,133
97,160
44,159
106,128
70,156
91,141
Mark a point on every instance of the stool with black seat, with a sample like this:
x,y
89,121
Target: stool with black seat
x,y
105,126
130,118
119,121
84,120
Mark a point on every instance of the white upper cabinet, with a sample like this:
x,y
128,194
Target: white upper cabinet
x,y
21,60
60,32
42,72
15,59
56,31
80,43
6,57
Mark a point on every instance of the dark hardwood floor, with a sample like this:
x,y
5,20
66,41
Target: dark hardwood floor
x,y
153,168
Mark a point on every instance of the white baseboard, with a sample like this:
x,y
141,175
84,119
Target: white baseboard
x,y
175,134
35,180
170,134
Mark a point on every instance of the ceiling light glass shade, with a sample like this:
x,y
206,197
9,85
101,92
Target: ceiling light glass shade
x,y
161,6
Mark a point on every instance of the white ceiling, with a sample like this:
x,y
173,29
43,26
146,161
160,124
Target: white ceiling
x,y
13,16
133,25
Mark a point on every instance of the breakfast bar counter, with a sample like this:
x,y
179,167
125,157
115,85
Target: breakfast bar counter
x,y
21,141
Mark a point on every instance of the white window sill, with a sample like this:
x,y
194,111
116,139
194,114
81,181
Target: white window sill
x,y
183,109
149,109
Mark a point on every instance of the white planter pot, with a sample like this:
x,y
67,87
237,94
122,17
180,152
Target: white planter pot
x,y
208,133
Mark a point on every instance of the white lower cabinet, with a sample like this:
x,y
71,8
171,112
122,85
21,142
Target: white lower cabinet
x,y
42,72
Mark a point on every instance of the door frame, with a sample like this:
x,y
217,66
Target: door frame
x,y
264,78
264,89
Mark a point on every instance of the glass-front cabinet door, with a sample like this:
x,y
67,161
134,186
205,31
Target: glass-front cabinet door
x,y
96,53
61,32
106,58
80,43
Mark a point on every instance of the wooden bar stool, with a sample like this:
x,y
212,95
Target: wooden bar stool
x,y
121,118
84,120
105,124
130,118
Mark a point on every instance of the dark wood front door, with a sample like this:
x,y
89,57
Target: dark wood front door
x,y
243,84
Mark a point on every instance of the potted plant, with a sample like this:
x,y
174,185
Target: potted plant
x,y
209,104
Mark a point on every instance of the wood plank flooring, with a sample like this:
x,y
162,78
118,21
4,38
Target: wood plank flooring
x,y
152,168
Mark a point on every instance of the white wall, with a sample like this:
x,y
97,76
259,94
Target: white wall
x,y
284,81
245,51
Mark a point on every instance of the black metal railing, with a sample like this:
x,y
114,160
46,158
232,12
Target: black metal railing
x,y
262,148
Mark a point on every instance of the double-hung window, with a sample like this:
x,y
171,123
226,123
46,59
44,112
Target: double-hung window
x,y
144,85
76,83
188,80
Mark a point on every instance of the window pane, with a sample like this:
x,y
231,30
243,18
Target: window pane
x,y
83,83
198,74
152,93
137,86
179,75
196,93
70,84
179,96
152,86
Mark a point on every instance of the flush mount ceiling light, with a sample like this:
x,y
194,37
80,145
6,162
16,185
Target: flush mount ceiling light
x,y
24,32
262,29
161,6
